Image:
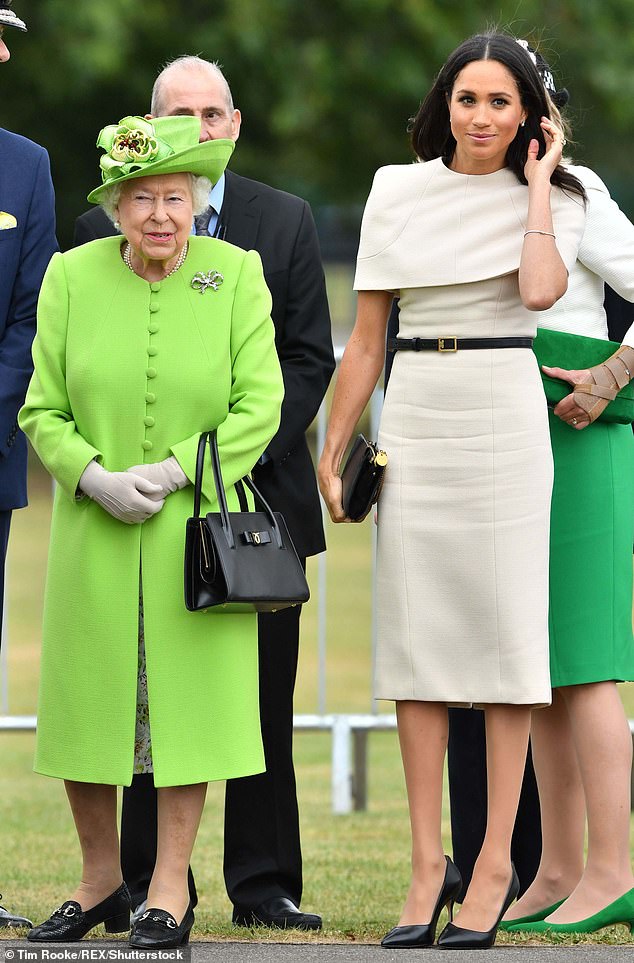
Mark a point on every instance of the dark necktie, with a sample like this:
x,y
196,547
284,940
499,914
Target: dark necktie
x,y
201,221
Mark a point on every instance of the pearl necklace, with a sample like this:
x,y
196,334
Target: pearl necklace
x,y
127,257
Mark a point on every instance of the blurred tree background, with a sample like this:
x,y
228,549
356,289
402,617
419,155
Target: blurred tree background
x,y
325,88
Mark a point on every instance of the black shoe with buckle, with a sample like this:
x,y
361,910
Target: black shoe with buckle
x,y
12,920
279,912
157,929
70,923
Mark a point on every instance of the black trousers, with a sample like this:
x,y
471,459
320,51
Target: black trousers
x,y
5,524
262,848
468,801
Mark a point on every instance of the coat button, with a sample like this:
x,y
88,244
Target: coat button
x,y
151,372
147,445
149,421
152,327
150,397
154,307
155,286
152,350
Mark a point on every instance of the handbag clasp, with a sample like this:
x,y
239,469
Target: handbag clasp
x,y
256,538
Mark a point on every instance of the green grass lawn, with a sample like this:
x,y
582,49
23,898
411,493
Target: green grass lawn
x,y
356,866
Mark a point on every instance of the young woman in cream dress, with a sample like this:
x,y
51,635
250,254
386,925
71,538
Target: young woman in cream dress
x,y
473,241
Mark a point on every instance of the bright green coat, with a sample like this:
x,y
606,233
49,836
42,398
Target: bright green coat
x,y
131,372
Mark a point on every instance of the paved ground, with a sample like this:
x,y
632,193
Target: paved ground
x,y
203,952
312,953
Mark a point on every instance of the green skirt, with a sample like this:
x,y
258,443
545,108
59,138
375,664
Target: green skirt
x,y
591,534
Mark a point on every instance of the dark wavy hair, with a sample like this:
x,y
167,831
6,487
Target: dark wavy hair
x,y
431,130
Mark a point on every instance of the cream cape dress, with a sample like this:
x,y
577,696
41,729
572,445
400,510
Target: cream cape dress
x,y
462,577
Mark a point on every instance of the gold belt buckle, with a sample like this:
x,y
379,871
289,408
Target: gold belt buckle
x,y
442,344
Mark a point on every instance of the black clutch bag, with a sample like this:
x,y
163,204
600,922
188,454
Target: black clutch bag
x,y
239,561
362,478
560,349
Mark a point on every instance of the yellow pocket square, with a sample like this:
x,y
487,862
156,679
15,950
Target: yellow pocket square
x,y
7,221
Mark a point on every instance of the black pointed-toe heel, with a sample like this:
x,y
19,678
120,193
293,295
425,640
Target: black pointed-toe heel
x,y
456,938
70,923
157,929
423,934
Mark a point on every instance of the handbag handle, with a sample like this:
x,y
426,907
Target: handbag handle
x,y
200,461
211,437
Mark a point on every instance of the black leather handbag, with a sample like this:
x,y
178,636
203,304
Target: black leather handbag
x,y
362,478
239,561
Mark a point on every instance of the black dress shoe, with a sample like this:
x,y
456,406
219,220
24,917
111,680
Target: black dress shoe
x,y
279,911
157,929
69,923
456,938
10,919
424,934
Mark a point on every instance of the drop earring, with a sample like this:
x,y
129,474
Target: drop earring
x,y
523,123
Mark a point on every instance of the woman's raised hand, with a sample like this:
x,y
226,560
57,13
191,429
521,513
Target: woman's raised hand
x,y
555,141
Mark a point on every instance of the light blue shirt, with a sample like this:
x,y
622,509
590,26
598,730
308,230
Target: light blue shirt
x,y
216,198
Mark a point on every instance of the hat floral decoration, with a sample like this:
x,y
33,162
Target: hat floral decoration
x,y
129,145
136,147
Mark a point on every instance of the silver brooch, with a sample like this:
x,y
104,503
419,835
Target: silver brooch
x,y
212,279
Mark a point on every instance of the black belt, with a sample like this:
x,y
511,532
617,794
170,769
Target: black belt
x,y
455,344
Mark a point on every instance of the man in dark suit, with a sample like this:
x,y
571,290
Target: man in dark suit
x,y
262,861
27,241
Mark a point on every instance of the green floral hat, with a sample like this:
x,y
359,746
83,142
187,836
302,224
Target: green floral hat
x,y
136,147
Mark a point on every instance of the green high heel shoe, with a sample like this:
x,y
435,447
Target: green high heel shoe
x,y
620,911
533,917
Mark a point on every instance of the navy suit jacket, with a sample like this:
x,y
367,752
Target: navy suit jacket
x,y
26,193
280,227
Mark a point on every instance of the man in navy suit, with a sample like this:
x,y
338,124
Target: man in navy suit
x,y
262,860
27,242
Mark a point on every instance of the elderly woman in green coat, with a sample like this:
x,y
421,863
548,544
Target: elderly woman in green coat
x,y
134,357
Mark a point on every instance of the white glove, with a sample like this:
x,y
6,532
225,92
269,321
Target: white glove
x,y
123,495
167,474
